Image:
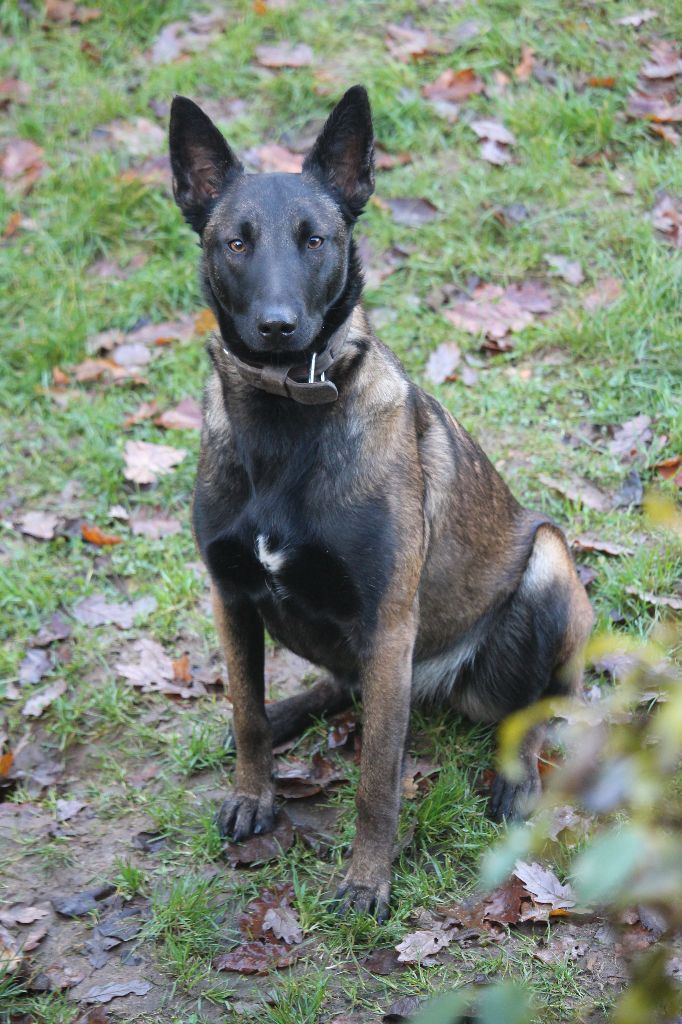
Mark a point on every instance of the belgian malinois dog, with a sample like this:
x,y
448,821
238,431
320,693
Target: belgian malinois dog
x,y
343,508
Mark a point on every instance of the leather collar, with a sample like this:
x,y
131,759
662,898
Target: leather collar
x,y
304,383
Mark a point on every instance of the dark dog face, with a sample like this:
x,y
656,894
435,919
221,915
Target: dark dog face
x,y
278,264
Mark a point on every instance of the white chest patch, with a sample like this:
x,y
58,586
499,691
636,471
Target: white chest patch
x,y
272,561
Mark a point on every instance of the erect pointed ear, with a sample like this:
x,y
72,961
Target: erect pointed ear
x,y
201,161
343,154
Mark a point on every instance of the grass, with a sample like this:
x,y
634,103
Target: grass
x,y
575,150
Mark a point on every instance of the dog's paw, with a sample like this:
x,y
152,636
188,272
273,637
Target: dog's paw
x,y
514,801
364,898
242,816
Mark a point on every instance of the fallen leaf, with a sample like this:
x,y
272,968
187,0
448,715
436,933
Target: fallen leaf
x,y
13,90
570,270
34,706
67,809
630,438
637,18
152,668
144,411
384,161
587,542
565,819
274,158
153,526
34,938
116,990
154,172
605,293
601,81
10,953
185,416
524,68
145,462
57,628
667,134
504,904
670,468
285,55
665,61
381,962
262,848
402,1010
631,491
94,535
21,165
653,108
412,212
78,904
33,667
494,131
666,217
341,727
657,600
407,43
454,86
41,525
131,355
419,946
578,490
97,611
179,38
205,322
256,958
283,922
20,913
296,778
140,137
442,362
493,311
544,886
182,672
69,12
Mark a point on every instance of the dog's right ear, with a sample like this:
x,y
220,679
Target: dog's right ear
x,y
201,161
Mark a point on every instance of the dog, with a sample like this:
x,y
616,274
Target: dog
x,y
342,508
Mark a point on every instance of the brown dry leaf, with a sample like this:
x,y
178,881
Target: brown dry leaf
x,y
69,12
274,158
147,523
667,134
667,219
94,535
565,819
185,416
587,542
494,131
131,355
264,848
406,43
665,62
411,211
637,18
256,958
340,728
653,108
33,667
578,490
20,913
503,906
670,469
10,954
601,82
417,777
384,161
657,600
116,990
285,55
631,438
419,947
544,886
204,322
144,411
97,611
454,86
34,706
605,293
284,924
180,38
442,362
54,630
41,525
296,778
251,918
13,90
524,68
154,172
182,671
140,137
21,165
494,312
570,270
145,462
152,671
67,809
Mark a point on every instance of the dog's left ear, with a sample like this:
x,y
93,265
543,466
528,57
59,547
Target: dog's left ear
x,y
343,154
201,161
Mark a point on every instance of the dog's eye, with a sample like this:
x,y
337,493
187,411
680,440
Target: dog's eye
x,y
236,245
314,242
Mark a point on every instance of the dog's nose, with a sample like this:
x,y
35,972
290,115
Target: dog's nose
x,y
275,324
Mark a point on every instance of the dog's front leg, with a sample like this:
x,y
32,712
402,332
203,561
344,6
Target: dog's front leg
x,y
386,683
250,808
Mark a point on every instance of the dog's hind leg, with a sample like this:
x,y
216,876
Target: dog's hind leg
x,y
532,649
291,716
